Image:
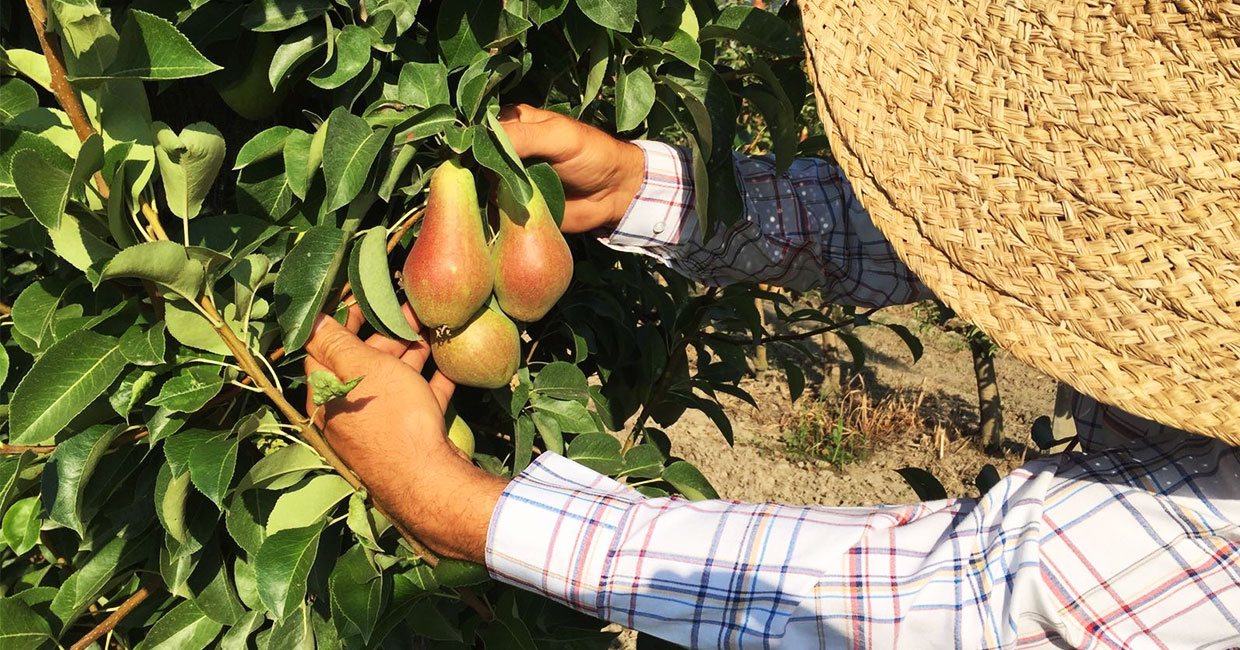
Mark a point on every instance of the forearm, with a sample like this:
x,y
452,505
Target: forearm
x,y
803,229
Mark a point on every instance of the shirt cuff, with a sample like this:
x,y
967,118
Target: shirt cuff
x,y
658,215
554,528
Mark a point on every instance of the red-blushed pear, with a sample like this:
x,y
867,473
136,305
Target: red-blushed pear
x,y
447,275
484,353
532,263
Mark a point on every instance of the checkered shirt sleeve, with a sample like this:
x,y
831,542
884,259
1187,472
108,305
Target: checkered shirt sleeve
x,y
1133,548
803,229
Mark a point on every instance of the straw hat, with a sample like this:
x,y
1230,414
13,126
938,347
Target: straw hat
x,y
1065,175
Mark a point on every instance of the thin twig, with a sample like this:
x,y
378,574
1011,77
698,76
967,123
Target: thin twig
x,y
150,585
124,439
64,93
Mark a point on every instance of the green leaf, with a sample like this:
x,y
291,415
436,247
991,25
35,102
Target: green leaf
x,y
20,626
130,390
16,97
371,280
423,84
348,154
293,459
644,461
294,50
634,97
1043,433
4,365
62,383
279,15
572,416
165,263
463,29
81,243
211,466
352,53
190,389
268,143
689,481
35,310
358,593
493,151
541,12
68,471
612,14
86,583
548,184
561,380
549,429
184,627
598,451
751,26
306,278
283,565
246,518
151,48
144,346
308,503
987,478
796,380
297,170
238,636
459,573
171,493
191,328
21,525
923,483
523,443
910,339
188,165
855,347
45,185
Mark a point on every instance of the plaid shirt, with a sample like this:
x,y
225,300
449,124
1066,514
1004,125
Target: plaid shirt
x,y
1131,544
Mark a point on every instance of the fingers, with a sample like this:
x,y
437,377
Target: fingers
x,y
354,318
393,347
536,133
339,349
443,388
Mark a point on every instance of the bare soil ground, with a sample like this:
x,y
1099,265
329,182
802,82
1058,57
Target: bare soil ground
x,y
760,467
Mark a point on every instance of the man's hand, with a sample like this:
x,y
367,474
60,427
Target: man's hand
x,y
601,174
390,431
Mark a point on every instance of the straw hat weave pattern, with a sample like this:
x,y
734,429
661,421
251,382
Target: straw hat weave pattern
x,y
1065,175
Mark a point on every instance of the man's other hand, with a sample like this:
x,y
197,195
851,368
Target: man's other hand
x,y
601,174
390,431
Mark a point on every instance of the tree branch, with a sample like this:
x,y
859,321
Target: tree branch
x,y
64,93
5,310
124,439
150,585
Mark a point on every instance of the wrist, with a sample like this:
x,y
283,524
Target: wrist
x,y
447,503
629,176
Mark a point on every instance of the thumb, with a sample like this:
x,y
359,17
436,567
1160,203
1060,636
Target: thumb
x,y
340,351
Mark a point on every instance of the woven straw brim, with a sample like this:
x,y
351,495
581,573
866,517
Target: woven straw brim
x,y
1065,175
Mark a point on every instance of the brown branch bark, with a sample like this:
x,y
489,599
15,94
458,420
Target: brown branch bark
x,y
126,438
150,585
5,310
61,89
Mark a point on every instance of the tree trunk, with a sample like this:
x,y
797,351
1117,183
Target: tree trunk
x,y
989,404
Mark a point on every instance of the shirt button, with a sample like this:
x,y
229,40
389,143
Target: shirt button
x,y
658,228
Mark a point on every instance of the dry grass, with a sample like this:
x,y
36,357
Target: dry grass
x,y
845,427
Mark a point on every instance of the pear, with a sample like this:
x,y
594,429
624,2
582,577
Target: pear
x,y
459,432
483,354
249,93
531,260
447,275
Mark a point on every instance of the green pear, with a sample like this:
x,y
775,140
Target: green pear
x,y
249,93
484,353
447,275
531,260
459,432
